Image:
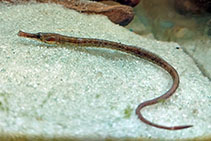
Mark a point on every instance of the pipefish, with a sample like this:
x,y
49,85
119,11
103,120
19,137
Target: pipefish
x,y
53,38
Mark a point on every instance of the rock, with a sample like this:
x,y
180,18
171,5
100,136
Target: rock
x,y
119,14
193,6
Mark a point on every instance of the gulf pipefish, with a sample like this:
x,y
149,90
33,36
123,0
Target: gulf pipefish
x,y
53,38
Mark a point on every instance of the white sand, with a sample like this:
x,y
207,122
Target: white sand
x,y
85,92
200,50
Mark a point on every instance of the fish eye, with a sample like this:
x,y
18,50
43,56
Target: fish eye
x,y
38,35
